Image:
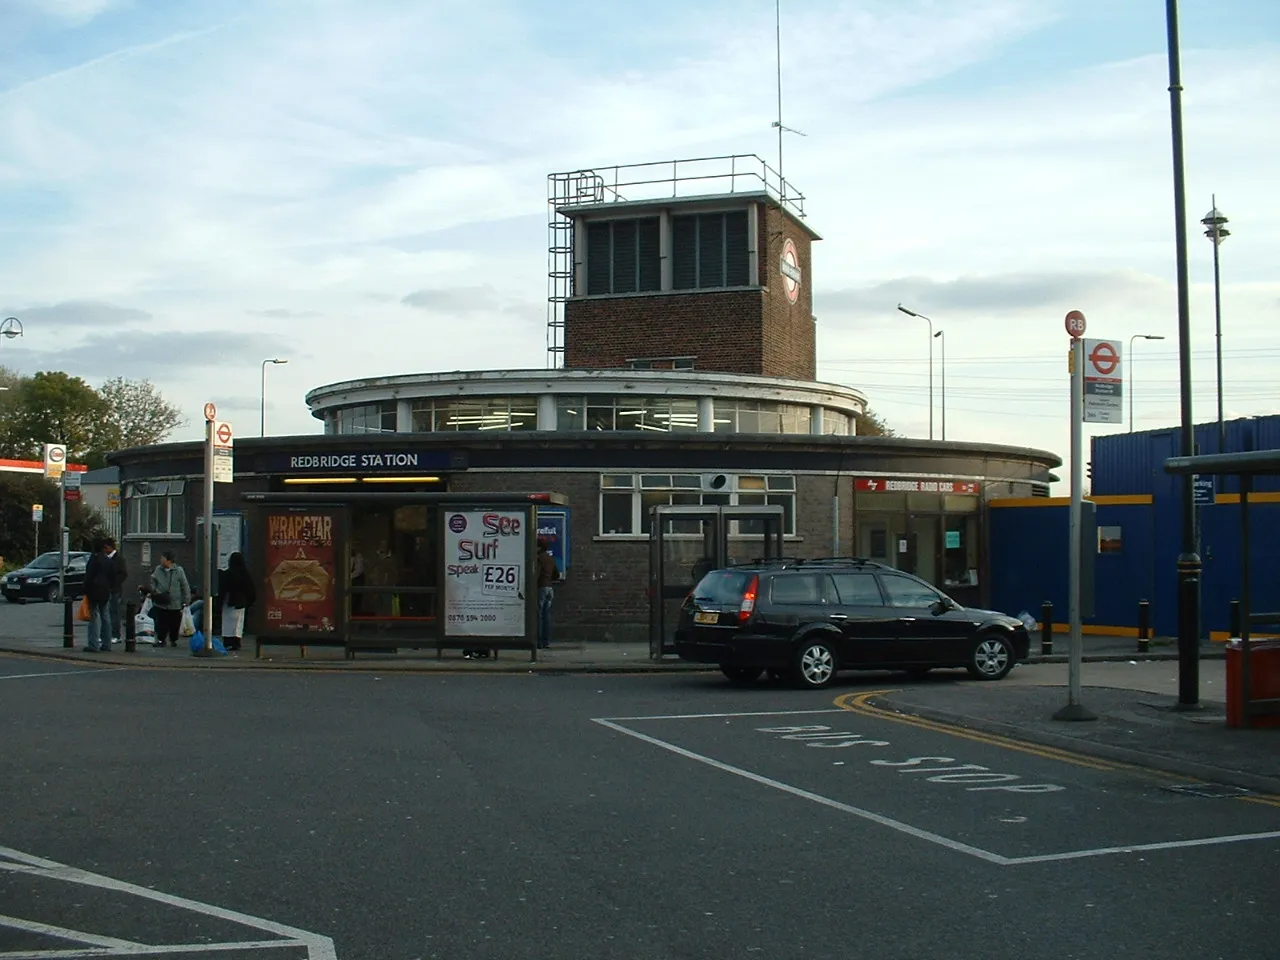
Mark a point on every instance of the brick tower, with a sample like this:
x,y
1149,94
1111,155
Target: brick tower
x,y
697,264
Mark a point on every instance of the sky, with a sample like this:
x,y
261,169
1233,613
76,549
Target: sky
x,y
359,187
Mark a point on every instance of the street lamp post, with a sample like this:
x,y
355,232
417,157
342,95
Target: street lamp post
x,y
1215,229
921,316
1136,336
1189,557
10,327
941,337
263,428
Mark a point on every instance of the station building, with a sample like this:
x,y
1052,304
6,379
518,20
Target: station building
x,y
681,369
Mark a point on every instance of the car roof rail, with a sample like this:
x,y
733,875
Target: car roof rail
x,y
850,561
767,562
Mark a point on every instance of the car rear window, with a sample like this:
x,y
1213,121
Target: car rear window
x,y
722,586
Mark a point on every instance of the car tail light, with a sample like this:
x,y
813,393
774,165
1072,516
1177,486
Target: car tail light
x,y
749,600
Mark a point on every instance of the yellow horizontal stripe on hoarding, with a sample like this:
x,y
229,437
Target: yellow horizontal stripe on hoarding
x,y
1255,497
1113,500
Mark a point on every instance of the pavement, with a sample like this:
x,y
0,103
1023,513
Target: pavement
x,y
400,814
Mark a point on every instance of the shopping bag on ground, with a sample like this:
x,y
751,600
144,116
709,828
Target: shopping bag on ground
x,y
188,623
85,613
197,643
144,627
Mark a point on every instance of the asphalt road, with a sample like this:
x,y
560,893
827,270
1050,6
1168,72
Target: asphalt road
x,y
637,817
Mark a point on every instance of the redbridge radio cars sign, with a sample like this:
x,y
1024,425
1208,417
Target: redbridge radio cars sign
x,y
484,574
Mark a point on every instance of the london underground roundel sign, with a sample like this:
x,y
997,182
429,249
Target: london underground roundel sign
x,y
789,267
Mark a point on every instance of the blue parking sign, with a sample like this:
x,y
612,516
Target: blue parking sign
x,y
1205,489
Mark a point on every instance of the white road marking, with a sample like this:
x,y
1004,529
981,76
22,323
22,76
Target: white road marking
x,y
53,673
717,716
898,825
814,797
318,947
144,950
1142,847
63,933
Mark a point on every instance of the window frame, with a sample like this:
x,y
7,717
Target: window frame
x,y
170,496
646,489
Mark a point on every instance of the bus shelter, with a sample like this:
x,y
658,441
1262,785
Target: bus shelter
x,y
688,541
1259,679
396,570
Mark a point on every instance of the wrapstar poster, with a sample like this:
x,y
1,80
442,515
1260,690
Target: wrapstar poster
x,y
484,574
301,572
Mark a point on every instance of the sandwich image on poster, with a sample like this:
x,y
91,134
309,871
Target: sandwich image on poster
x,y
301,573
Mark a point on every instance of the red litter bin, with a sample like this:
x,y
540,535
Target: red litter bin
x,y
1264,680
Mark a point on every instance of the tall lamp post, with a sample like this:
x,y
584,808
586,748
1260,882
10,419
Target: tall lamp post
x,y
921,316
1136,336
1189,557
10,327
263,429
1215,229
941,337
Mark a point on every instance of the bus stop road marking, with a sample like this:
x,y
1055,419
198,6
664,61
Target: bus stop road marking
x,y
900,826
860,703
317,946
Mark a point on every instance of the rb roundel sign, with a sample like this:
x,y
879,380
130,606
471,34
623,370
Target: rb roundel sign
x,y
1075,324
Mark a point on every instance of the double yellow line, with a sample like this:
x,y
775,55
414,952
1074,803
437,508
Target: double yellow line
x,y
860,703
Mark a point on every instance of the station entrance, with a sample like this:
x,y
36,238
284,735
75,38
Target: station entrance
x,y
687,542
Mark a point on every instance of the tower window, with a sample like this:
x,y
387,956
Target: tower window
x,y
623,256
709,250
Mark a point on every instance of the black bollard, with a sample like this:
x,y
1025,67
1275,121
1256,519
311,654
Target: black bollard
x,y
1233,624
1144,626
1046,628
130,628
68,625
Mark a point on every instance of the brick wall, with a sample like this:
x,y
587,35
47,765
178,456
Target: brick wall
x,y
721,328
789,345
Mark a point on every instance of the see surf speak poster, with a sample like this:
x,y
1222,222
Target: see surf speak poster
x,y
484,573
301,572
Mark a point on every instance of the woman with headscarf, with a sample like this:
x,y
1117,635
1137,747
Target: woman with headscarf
x,y
237,593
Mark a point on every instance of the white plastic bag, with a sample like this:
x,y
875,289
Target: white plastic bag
x,y
144,627
1028,621
188,628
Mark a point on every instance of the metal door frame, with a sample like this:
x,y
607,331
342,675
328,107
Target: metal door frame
x,y
716,543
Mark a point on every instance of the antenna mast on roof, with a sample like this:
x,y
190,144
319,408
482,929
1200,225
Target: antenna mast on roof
x,y
777,12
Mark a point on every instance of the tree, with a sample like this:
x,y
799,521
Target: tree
x,y
871,425
18,493
136,415
53,407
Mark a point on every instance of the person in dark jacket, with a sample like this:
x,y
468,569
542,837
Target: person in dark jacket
x,y
119,574
237,593
97,590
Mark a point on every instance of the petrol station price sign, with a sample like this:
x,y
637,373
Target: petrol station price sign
x,y
485,556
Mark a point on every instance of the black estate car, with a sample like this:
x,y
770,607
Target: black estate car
x,y
38,580
807,619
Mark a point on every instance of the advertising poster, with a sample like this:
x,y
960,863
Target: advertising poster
x,y
484,554
301,572
553,527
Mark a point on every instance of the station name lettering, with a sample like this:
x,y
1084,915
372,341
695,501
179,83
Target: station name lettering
x,y
354,461
311,529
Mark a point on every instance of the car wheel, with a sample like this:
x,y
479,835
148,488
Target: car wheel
x,y
741,675
51,593
992,658
815,664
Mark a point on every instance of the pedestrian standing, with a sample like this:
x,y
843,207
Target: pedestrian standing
x,y
237,593
119,574
548,574
170,593
97,590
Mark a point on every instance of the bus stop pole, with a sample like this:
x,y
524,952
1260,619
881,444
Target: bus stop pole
x,y
1074,710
